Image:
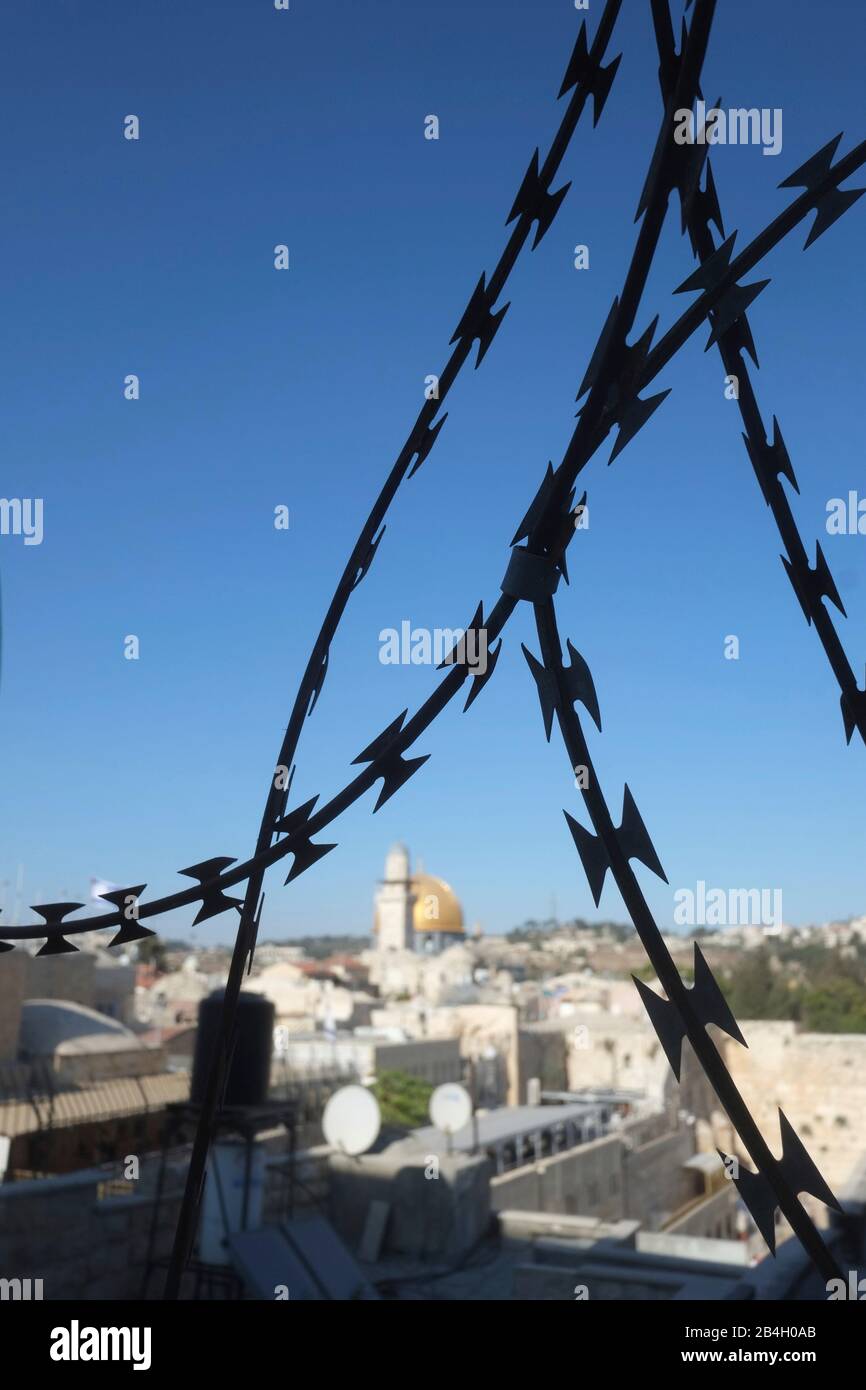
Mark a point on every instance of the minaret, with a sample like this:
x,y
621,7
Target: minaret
x,y
394,903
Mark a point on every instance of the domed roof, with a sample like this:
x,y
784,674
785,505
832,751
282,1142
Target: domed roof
x,y
437,907
60,1025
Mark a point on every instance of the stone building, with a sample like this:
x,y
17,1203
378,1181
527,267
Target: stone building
x,y
61,977
82,1044
817,1079
301,1000
92,977
414,912
366,1055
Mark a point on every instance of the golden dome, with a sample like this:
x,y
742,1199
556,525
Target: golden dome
x,y
437,908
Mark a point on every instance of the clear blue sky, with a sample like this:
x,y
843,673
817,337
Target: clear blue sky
x,y
260,388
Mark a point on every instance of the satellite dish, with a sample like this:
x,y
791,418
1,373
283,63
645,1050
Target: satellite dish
x,y
450,1108
351,1120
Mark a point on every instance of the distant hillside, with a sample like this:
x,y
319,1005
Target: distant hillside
x,y
319,947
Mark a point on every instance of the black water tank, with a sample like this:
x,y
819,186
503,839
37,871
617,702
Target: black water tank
x,y
251,1064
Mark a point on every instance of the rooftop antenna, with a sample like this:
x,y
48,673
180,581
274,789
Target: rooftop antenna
x,y
451,1110
352,1120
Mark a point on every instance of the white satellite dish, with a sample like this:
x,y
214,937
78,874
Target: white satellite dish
x,y
352,1120
450,1108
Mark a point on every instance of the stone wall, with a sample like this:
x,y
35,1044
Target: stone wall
x,y
657,1183
818,1079
124,1060
480,1027
58,1230
637,1173
429,1217
713,1219
543,1054
435,1060
84,1242
114,991
594,1049
61,977
589,1180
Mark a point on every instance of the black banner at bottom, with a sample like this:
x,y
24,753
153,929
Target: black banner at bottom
x,y
216,1339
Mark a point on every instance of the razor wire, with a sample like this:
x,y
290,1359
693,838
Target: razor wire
x,y
685,1013
534,203
585,77
395,772
616,375
214,876
770,461
529,572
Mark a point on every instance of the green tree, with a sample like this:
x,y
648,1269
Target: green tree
x,y
813,986
151,951
403,1099
836,1005
755,990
